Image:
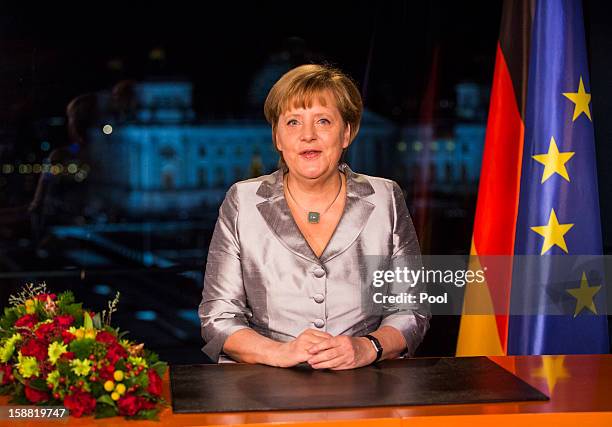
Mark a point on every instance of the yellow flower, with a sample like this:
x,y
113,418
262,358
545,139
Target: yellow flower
x,y
109,385
79,333
90,334
56,349
27,366
30,306
7,350
81,367
138,361
118,375
120,388
53,378
115,395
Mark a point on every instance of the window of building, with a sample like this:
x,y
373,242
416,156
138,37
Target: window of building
x,y
202,151
432,172
237,173
167,153
219,177
202,178
448,172
168,180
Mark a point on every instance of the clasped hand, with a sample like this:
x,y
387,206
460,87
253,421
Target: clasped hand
x,y
324,351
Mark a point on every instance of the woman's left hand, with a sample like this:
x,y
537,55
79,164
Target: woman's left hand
x,y
342,352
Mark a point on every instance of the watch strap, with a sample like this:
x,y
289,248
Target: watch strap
x,y
377,346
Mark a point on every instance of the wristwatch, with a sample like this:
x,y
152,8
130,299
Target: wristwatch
x,y
377,346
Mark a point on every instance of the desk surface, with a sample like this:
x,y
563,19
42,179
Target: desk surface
x,y
579,387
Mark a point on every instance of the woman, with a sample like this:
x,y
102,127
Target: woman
x,y
285,270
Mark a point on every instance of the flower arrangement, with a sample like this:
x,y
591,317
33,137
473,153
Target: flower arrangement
x,y
55,352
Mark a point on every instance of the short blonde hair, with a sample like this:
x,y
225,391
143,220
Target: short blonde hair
x,y
301,85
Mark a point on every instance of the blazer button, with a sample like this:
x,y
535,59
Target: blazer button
x,y
319,323
319,298
319,272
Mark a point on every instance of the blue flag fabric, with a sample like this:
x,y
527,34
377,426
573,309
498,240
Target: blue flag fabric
x,y
558,212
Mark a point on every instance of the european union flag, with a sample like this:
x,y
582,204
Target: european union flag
x,y
558,210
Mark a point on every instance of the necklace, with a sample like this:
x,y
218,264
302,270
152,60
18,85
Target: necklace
x,y
314,216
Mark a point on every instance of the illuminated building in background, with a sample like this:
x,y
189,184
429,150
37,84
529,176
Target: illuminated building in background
x,y
162,160
452,159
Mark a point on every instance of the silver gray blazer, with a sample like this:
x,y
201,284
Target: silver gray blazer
x,y
262,274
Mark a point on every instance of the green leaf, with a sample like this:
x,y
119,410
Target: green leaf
x,y
97,388
65,298
18,397
97,321
147,395
63,366
6,389
160,368
146,414
106,399
11,315
76,311
129,382
18,377
82,348
142,380
87,322
105,411
38,384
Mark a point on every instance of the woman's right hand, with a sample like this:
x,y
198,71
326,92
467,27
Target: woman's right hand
x,y
296,351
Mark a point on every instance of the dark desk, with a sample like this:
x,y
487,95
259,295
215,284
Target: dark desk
x,y
579,387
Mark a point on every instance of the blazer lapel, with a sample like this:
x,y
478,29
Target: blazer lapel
x,y
277,215
356,213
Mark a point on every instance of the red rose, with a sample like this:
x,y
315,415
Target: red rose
x,y
146,404
35,396
107,372
155,383
68,355
36,348
80,403
26,321
67,337
43,297
130,405
6,371
106,337
45,331
64,321
115,352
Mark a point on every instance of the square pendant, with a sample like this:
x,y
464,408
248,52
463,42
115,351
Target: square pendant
x,y
313,217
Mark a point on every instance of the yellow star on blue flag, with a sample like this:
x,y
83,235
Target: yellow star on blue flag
x,y
581,100
554,161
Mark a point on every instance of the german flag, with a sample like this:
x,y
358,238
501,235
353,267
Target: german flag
x,y
538,202
498,192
